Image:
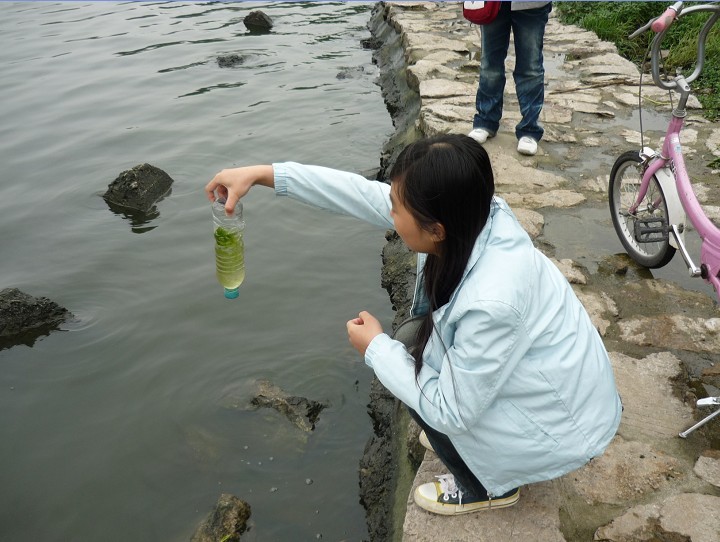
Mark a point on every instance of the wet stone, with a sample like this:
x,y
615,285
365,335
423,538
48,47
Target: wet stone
x,y
442,88
645,386
302,412
616,264
713,142
598,305
258,21
570,270
673,331
231,61
370,43
138,188
687,517
554,198
626,472
24,318
531,221
351,72
227,522
707,466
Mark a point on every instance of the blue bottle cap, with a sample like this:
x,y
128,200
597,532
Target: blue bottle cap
x,y
231,293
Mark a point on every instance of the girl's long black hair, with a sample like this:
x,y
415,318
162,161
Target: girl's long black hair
x,y
445,179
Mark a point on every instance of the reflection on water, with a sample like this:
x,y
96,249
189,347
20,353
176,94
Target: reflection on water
x,y
587,236
130,422
140,221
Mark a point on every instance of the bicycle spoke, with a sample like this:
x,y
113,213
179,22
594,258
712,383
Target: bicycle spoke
x,y
644,233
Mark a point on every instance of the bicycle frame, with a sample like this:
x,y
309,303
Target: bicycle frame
x,y
676,196
669,169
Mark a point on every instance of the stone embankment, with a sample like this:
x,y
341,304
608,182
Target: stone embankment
x,y
663,337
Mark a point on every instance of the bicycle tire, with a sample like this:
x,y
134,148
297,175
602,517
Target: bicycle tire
x,y
644,234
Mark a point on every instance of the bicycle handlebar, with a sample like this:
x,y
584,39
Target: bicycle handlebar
x,y
658,24
665,20
661,24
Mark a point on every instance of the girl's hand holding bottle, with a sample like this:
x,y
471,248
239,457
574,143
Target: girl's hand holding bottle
x,y
233,184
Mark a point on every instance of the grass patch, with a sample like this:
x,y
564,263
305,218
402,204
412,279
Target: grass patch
x,y
615,21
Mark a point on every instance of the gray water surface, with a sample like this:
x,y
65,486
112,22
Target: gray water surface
x,y
131,421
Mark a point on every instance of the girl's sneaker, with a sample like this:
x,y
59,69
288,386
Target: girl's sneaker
x,y
444,497
425,442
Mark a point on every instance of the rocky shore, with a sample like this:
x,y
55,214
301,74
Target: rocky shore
x,y
663,335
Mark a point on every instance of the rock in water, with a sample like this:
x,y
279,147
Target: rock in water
x,y
231,61
138,188
304,413
23,318
226,522
257,20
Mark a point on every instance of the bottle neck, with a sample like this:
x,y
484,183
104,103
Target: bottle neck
x,y
218,211
233,222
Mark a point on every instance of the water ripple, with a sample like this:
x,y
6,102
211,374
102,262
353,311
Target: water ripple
x,y
128,401
203,90
150,48
185,67
96,37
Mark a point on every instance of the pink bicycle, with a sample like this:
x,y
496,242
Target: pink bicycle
x,y
650,193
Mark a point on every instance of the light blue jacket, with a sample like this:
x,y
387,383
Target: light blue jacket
x,y
519,378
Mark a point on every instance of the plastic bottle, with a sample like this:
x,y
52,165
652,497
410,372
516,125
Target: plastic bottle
x,y
229,247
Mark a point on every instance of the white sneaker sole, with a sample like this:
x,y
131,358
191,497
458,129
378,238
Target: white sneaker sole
x,y
425,497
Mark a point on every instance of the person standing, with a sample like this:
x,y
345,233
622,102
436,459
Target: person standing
x,y
527,20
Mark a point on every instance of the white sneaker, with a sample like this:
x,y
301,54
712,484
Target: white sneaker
x,y
527,146
480,135
445,498
425,442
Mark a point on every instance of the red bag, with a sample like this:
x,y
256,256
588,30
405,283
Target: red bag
x,y
481,12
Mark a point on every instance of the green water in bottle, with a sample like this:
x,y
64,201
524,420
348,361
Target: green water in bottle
x,y
229,247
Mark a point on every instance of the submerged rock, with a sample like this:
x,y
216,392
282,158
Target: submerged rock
x,y
371,43
139,188
351,72
304,413
231,60
24,318
226,522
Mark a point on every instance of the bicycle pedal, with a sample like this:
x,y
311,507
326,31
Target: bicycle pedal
x,y
651,230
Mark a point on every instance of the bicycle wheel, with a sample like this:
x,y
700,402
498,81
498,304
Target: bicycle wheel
x,y
645,233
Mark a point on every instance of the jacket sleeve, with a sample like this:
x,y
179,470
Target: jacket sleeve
x,y
338,191
489,341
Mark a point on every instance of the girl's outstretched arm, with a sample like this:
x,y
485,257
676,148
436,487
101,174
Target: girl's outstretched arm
x,y
233,184
338,191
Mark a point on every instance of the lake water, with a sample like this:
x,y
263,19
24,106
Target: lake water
x,y
129,423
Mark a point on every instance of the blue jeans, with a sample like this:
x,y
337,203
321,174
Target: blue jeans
x,y
466,481
528,29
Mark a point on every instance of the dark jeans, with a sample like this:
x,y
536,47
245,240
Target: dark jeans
x,y
464,478
528,30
